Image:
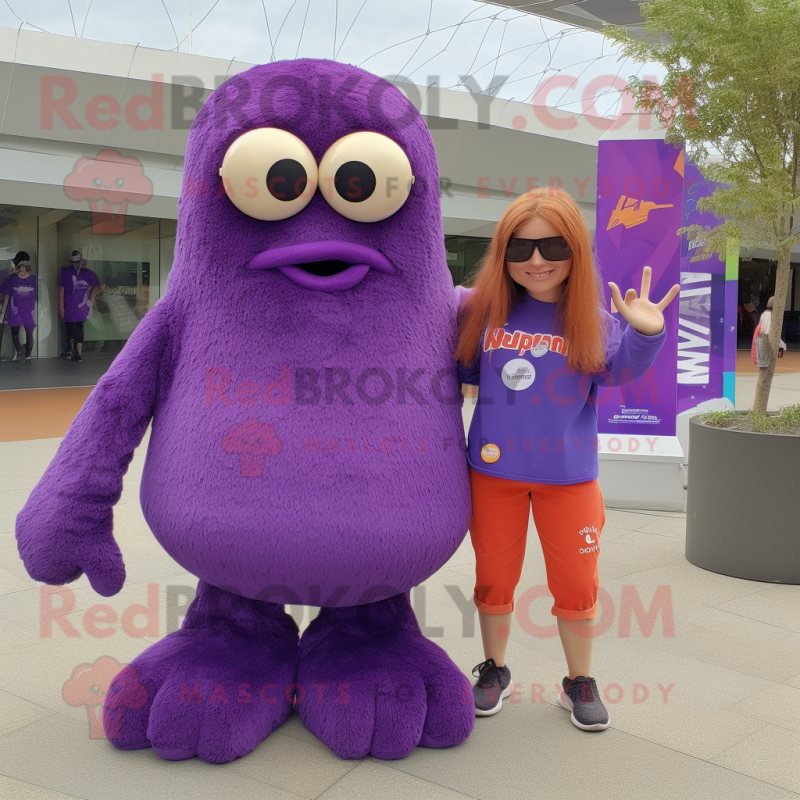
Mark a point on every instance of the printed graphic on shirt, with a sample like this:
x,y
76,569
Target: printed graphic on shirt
x,y
80,285
490,453
537,344
589,536
518,374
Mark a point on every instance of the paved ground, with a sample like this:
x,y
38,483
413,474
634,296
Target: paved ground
x,y
785,383
45,373
712,711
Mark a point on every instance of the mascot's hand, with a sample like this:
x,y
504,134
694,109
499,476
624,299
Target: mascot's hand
x,y
60,538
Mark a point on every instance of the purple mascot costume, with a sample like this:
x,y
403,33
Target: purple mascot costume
x,y
305,432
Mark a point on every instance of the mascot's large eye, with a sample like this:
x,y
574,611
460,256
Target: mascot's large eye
x,y
269,174
365,176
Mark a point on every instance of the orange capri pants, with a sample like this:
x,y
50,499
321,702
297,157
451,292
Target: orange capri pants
x,y
569,520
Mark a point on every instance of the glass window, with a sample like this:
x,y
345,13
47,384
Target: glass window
x,y
756,286
463,255
18,231
130,255
126,264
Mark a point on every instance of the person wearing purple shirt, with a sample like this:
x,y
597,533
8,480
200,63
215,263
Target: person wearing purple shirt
x,y
558,444
78,286
21,290
535,338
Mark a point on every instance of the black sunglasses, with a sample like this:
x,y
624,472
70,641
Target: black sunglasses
x,y
552,248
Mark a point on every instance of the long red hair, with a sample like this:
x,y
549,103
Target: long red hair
x,y
495,293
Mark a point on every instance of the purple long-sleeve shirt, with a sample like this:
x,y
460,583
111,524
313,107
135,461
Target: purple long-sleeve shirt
x,y
536,419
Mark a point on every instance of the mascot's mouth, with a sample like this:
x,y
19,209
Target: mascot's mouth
x,y
331,266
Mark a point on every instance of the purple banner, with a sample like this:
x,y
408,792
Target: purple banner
x,y
703,347
639,211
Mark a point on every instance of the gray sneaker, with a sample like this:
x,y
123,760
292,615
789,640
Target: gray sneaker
x,y
493,684
581,697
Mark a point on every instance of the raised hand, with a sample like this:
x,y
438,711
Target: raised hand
x,y
643,315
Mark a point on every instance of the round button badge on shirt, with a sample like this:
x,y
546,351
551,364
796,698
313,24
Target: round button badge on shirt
x,y
490,453
518,374
539,351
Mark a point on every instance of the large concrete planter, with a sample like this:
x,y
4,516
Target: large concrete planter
x,y
743,504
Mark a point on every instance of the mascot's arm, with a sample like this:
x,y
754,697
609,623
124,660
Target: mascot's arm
x,y
65,528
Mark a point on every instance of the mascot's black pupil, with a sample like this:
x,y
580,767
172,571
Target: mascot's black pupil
x,y
286,179
355,181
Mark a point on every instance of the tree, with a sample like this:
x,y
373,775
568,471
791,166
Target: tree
x,y
732,96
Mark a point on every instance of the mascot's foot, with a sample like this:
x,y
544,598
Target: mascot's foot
x,y
371,683
215,688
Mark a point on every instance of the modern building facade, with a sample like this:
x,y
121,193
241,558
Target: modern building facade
x,y
92,138
589,14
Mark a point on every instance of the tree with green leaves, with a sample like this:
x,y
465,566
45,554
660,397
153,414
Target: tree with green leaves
x,y
732,96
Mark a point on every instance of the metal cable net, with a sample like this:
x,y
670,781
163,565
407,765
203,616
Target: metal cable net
x,y
464,45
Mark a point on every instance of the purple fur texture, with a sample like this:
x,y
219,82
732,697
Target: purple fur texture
x,y
386,689
215,688
306,445
370,488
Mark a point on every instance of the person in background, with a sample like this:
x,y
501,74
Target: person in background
x,y
759,351
749,320
78,286
3,306
20,288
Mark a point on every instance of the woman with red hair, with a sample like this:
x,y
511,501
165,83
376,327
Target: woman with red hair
x,y
536,339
